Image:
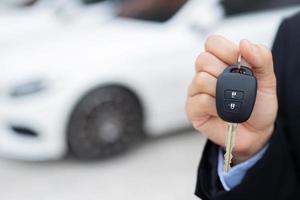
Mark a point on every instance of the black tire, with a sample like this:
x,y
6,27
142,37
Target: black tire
x,y
105,123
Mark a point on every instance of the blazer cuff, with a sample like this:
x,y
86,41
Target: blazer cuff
x,y
236,174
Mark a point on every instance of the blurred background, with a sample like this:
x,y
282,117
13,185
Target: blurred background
x,y
92,92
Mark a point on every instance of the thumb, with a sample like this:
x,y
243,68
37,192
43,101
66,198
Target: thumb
x,y
260,60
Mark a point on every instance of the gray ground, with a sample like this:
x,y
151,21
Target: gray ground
x,y
160,169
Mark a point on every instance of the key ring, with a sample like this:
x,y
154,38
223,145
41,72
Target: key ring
x,y
239,62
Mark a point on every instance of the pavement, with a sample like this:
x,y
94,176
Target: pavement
x,y
162,168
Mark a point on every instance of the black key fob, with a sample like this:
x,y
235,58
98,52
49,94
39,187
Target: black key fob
x,y
236,94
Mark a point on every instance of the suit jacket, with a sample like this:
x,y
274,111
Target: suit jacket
x,y
277,174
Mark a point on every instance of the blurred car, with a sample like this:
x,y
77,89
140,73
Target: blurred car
x,y
95,92
48,18
14,3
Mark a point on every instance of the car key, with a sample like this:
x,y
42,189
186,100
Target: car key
x,y
230,139
235,98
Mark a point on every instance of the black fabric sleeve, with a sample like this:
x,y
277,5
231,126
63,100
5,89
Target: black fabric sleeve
x,y
272,177
275,175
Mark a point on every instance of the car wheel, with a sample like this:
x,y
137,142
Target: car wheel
x,y
104,123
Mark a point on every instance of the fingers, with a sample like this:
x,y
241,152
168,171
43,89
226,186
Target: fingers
x,y
221,52
201,106
215,129
203,82
222,48
261,61
201,101
207,62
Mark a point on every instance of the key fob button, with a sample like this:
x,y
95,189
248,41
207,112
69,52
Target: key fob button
x,y
233,94
232,106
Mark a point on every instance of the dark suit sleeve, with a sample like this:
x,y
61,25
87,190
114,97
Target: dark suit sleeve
x,y
275,175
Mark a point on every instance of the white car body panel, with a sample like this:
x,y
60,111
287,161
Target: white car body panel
x,y
154,60
50,18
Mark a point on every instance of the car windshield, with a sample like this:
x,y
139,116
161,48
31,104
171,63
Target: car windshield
x,y
91,1
17,2
153,10
32,2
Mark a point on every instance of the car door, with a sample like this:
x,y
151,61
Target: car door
x,y
169,70
179,65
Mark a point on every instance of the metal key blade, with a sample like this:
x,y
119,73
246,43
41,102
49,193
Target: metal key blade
x,y
230,139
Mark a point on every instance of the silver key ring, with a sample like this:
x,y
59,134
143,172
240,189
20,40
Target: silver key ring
x,y
239,62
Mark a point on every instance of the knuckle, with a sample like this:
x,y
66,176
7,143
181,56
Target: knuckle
x,y
201,60
203,99
201,78
196,125
210,40
198,79
191,112
191,89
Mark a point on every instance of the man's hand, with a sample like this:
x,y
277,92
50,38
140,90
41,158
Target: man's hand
x,y
253,134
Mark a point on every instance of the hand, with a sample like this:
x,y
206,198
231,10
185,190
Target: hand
x,y
253,134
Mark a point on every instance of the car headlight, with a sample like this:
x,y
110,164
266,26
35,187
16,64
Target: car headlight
x,y
28,88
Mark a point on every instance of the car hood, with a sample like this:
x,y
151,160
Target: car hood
x,y
109,46
23,26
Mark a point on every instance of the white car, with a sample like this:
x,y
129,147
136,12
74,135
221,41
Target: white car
x,y
49,18
96,91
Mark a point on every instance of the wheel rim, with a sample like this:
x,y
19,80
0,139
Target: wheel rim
x,y
107,127
104,124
